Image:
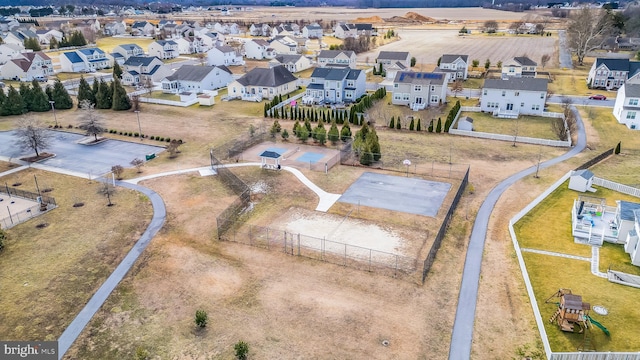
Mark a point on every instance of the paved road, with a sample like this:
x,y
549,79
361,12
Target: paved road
x,y
564,58
462,336
74,329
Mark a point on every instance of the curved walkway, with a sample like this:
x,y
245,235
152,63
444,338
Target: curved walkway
x,y
81,320
462,335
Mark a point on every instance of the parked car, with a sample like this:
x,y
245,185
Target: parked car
x,y
597,97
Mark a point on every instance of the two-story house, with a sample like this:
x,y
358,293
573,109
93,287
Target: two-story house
x,y
627,106
128,50
343,31
223,55
84,60
284,45
260,29
335,85
312,31
337,58
197,78
28,66
392,62
45,36
419,90
142,28
164,49
211,39
258,49
190,45
456,65
293,63
519,66
139,70
9,51
261,83
610,74
632,240
514,96
286,30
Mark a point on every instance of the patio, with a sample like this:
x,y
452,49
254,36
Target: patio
x,y
593,222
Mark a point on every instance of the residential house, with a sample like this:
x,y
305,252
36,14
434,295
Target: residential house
x,y
514,96
293,63
261,83
197,78
260,29
142,28
339,58
28,66
162,23
140,70
224,28
183,30
456,65
9,51
284,45
164,49
286,30
128,50
519,66
8,24
627,106
84,60
212,39
343,31
223,55
393,61
114,28
312,31
610,74
258,49
45,36
190,45
631,242
335,85
419,90
18,36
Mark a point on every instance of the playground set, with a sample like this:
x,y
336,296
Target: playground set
x,y
573,314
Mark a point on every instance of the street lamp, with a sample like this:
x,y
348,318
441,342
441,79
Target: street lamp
x,y
407,163
54,111
139,128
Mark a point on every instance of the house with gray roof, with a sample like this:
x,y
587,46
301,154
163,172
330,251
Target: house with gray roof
x,y
312,31
84,60
128,50
259,49
140,70
261,83
419,90
627,106
28,66
293,63
514,96
142,28
194,78
164,49
392,62
114,28
610,74
337,58
335,86
224,55
519,66
456,65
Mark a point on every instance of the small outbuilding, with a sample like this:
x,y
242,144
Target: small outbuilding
x,y
581,180
266,155
465,123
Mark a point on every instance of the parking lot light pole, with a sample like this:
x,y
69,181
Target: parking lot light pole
x,y
54,112
139,128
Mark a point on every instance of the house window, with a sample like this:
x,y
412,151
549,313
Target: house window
x,y
512,70
517,93
434,98
327,95
521,105
542,96
395,86
484,92
405,97
535,107
396,96
631,115
417,88
433,88
504,93
633,101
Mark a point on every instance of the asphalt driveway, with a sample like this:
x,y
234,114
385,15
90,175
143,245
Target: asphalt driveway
x,y
91,160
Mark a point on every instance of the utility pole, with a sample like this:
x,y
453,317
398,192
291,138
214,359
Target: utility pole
x,y
54,112
139,128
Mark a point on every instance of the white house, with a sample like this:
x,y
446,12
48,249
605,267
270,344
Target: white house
x,y
193,78
114,28
627,106
141,69
258,49
223,55
212,39
293,63
261,83
284,45
457,65
84,60
419,90
45,36
339,58
519,66
312,31
140,28
190,45
393,61
581,180
343,31
514,96
610,74
631,242
260,29
285,30
128,50
335,85
28,66
9,51
164,49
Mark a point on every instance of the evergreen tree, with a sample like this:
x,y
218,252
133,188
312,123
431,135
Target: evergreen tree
x,y
320,134
430,128
13,105
366,157
103,97
85,92
418,127
334,133
53,43
398,124
61,97
374,144
49,91
39,99
27,99
439,126
307,125
32,43
121,100
412,124
296,126
3,97
392,123
303,134
94,88
345,132
117,70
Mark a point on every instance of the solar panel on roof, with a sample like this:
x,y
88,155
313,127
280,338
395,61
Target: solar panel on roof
x,y
401,76
431,76
419,75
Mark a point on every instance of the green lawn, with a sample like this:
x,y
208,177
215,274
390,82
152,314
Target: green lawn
x,y
161,95
528,126
548,227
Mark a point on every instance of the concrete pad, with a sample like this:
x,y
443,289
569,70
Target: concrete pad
x,y
397,193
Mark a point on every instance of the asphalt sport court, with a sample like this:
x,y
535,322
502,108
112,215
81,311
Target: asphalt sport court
x,y
397,193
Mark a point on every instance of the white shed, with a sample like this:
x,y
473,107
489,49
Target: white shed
x,y
465,123
581,180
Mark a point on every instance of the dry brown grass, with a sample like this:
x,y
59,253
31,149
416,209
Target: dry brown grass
x,y
4,166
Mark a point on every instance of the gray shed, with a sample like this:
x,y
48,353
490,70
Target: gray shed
x,y
465,123
581,180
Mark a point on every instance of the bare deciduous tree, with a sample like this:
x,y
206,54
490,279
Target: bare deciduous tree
x,y
31,134
490,26
172,149
544,60
587,30
457,87
117,170
138,164
90,120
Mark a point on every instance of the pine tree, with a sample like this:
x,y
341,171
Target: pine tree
x,y
121,100
412,125
418,127
345,132
13,105
27,99
392,123
53,43
430,128
398,124
94,88
39,99
3,97
61,97
334,133
296,126
307,125
103,97
117,70
439,126
85,92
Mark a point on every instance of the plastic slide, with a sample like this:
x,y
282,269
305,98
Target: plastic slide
x,y
604,329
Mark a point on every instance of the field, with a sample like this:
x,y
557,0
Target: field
x,y
529,126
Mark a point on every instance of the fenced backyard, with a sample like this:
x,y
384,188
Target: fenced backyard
x,y
18,206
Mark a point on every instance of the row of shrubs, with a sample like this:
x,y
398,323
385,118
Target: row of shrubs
x,y
135,134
